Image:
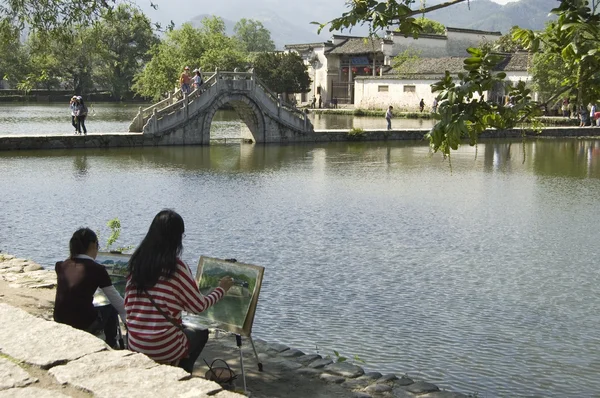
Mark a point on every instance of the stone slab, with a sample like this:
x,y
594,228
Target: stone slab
x,y
329,378
320,363
373,375
12,375
32,267
159,381
292,353
46,343
421,387
106,362
403,381
345,369
357,384
309,372
388,377
306,359
29,392
401,393
444,394
378,388
277,347
286,364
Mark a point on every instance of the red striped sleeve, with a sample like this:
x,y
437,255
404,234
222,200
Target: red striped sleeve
x,y
149,331
193,301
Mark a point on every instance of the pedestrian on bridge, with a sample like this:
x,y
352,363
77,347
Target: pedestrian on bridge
x,y
197,79
185,80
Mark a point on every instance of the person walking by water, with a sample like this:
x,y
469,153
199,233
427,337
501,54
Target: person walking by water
x,y
82,111
422,104
584,116
592,114
72,107
389,116
435,105
185,80
565,107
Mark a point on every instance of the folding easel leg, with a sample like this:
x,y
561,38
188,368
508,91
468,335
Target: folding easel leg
x,y
238,339
260,365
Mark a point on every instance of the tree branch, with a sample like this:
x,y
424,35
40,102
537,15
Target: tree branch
x,y
433,8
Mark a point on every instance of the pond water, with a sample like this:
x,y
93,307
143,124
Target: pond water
x,y
480,278
54,119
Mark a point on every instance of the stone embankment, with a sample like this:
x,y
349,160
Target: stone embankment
x,y
39,357
130,140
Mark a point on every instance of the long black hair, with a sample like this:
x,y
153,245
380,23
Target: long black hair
x,y
81,240
157,255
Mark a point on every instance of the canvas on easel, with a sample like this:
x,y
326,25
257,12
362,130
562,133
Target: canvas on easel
x,y
235,311
116,265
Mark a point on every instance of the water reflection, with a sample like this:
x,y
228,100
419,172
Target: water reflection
x,y
80,165
548,157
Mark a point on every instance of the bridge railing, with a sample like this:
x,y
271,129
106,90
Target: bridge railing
x,y
173,101
178,100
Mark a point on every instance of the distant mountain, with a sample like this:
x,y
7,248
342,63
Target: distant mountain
x,y
490,16
289,21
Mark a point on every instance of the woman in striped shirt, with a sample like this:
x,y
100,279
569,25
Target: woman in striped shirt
x,y
160,286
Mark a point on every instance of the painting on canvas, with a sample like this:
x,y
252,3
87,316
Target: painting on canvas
x,y
235,311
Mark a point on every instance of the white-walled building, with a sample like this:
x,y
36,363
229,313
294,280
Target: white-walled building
x,y
405,90
335,65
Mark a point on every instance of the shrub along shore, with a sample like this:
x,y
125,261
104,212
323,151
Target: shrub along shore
x,y
76,361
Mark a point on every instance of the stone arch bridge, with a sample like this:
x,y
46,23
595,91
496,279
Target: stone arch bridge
x,y
185,119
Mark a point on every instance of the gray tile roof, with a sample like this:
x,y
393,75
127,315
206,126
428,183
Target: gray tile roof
x,y
357,45
307,46
427,66
474,31
517,62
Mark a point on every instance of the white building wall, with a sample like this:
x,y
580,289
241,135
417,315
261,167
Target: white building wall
x,y
458,42
370,94
424,47
515,77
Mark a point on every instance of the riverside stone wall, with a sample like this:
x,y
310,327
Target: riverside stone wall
x,y
119,140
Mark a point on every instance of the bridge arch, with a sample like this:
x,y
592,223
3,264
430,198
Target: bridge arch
x,y
182,119
246,108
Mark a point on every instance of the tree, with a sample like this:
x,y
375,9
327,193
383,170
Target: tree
x,y
462,110
574,37
253,35
14,59
282,72
125,37
207,47
549,74
405,61
61,60
505,44
48,16
430,26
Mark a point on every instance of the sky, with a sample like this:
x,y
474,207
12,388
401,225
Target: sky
x,y
300,13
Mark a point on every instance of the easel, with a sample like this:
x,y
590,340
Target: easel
x,y
235,329
238,340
